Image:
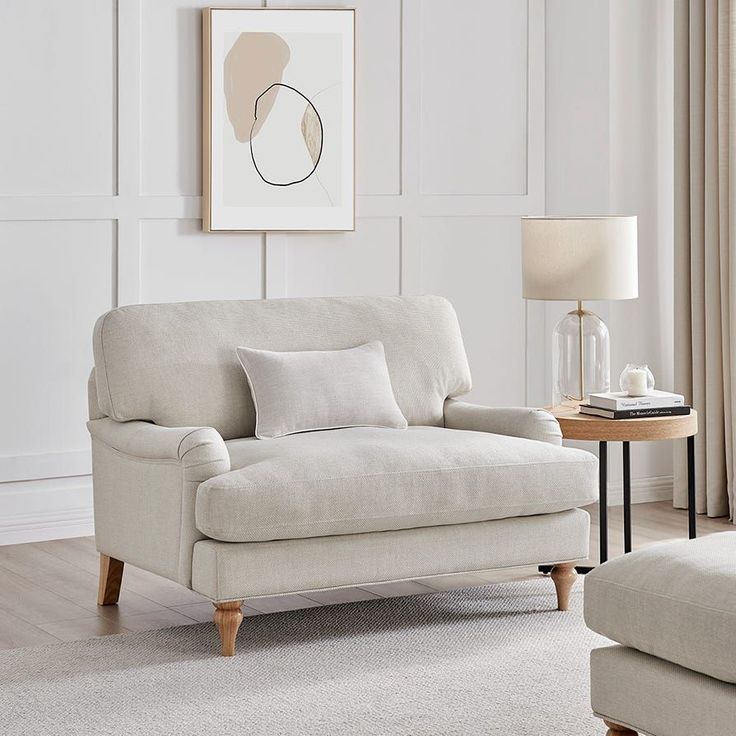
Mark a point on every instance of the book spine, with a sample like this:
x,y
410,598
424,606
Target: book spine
x,y
651,412
631,404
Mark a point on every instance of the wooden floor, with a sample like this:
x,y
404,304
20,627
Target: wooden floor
x,y
48,589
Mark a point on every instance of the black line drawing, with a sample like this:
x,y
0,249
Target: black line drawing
x,y
321,137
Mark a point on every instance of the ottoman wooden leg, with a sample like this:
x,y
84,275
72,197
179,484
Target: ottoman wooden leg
x,y
228,617
617,730
563,576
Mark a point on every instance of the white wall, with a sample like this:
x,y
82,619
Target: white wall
x,y
99,194
609,68
642,182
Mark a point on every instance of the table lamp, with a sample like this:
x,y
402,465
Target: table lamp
x,y
578,259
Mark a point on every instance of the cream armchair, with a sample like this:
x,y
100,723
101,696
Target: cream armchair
x,y
183,489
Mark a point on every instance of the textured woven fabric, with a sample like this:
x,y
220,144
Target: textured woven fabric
x,y
175,364
533,424
225,571
657,697
367,479
93,406
320,389
145,479
704,245
676,601
490,661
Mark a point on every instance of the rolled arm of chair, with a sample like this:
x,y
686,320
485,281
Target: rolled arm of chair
x,y
201,451
145,480
532,424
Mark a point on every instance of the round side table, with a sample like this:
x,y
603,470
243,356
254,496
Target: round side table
x,y
576,426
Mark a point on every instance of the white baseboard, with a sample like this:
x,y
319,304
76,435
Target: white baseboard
x,y
58,508
643,490
42,527
38,510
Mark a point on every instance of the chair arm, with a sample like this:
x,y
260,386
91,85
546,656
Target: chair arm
x,y
145,480
533,424
201,451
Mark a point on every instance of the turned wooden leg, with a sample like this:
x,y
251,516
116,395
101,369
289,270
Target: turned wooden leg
x,y
228,617
111,577
615,728
563,576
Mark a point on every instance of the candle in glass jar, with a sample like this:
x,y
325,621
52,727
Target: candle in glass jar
x,y
637,378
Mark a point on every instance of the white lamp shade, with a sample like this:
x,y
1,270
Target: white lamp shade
x,y
579,258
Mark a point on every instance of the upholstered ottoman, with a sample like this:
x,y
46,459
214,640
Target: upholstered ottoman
x,y
672,610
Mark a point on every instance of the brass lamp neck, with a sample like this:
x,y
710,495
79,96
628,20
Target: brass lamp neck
x,y
581,312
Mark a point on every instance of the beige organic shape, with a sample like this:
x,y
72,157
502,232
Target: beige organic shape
x,y
312,132
254,63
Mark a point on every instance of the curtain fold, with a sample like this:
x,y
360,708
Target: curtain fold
x,y
705,244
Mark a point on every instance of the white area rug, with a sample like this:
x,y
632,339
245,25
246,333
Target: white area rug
x,y
491,660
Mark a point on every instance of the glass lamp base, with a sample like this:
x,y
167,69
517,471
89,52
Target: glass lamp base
x,y
580,358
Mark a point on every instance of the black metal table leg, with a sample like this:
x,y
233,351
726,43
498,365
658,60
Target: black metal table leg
x,y
692,533
627,497
603,500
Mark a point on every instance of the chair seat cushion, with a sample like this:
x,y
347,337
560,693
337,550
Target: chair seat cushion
x,y
366,479
676,601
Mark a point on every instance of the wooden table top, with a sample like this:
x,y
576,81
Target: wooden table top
x,y
576,426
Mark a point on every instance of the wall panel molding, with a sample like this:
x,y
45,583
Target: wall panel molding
x,y
417,206
34,466
643,490
390,191
275,276
45,509
46,492
473,97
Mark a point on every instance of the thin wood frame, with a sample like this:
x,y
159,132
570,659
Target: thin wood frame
x,y
207,124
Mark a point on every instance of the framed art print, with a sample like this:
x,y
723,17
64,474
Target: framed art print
x,y
278,119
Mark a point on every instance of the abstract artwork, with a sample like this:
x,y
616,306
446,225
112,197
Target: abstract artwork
x,y
278,148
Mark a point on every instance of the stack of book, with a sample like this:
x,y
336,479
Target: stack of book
x,y
619,405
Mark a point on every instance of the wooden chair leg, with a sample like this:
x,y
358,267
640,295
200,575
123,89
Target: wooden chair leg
x,y
563,576
111,577
228,618
615,728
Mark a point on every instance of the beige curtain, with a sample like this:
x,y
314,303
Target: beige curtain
x,y
705,244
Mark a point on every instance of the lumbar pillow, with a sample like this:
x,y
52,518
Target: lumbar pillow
x,y
320,389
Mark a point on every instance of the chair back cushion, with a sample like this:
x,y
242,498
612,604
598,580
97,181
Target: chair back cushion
x,y
176,365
